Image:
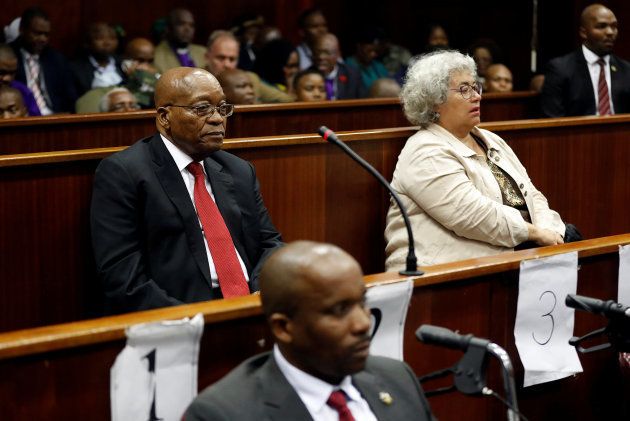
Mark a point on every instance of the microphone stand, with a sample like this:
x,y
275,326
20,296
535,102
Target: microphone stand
x,y
411,267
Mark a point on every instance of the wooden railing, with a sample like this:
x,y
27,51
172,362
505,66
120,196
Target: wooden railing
x,y
55,133
62,371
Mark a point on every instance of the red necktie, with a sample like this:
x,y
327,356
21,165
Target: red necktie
x,y
231,278
602,90
337,401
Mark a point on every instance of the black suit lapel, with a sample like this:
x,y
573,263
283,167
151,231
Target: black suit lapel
x,y
224,195
281,402
174,187
585,90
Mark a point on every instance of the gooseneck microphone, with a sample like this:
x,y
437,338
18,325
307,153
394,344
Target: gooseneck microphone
x,y
610,308
412,262
470,372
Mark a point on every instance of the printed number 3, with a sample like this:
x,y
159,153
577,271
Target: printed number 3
x,y
553,322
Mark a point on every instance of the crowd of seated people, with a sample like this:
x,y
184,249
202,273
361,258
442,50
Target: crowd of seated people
x,y
50,83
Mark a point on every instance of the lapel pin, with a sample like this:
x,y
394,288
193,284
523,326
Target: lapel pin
x,y
613,68
386,398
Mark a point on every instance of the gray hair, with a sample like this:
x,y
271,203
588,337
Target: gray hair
x,y
427,83
104,103
220,33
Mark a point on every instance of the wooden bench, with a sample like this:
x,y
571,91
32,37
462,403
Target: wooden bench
x,y
62,371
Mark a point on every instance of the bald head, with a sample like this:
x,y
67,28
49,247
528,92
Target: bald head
x,y
384,88
498,78
141,50
237,86
598,29
326,53
181,82
297,268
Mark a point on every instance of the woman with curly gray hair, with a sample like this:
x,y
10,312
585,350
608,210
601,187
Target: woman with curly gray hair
x,y
466,192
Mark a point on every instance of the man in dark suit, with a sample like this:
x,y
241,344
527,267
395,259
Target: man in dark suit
x,y
313,297
590,81
45,71
175,219
342,81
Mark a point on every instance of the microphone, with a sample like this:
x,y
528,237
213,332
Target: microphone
x,y
441,336
411,268
609,309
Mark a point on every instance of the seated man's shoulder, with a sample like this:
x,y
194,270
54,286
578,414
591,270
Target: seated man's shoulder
x,y
233,395
388,367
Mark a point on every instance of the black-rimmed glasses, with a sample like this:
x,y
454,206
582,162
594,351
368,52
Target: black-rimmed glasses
x,y
207,110
467,90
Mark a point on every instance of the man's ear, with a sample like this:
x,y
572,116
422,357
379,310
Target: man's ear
x,y
163,118
281,327
582,33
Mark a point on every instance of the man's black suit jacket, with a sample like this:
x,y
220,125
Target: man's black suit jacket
x,y
57,77
257,390
568,89
146,236
83,74
348,82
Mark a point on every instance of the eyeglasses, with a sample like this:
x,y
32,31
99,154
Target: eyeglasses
x,y
467,90
207,110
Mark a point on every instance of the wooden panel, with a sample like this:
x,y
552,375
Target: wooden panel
x,y
311,189
56,133
71,362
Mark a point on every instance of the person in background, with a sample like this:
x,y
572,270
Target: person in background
x,y
237,86
138,65
313,298
310,85
384,88
591,80
118,100
342,81
44,70
312,24
436,38
276,64
177,49
99,67
8,69
222,55
498,78
246,29
465,190
11,103
365,60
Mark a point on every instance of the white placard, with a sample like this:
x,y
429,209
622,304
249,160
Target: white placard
x,y
623,295
544,324
388,304
155,375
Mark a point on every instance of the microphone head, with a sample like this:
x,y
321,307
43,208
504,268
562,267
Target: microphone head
x,y
322,130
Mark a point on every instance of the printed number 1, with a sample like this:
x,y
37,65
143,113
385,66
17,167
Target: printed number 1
x,y
151,360
553,322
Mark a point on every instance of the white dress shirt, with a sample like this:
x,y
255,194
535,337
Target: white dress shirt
x,y
105,76
594,69
182,160
314,393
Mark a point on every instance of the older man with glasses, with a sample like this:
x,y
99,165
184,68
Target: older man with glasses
x,y
174,218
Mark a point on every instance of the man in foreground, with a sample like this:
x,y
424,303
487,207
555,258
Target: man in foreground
x,y
175,219
313,297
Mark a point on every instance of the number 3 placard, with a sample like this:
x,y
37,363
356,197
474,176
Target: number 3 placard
x,y
544,324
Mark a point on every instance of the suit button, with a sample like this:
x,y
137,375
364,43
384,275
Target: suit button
x,y
496,158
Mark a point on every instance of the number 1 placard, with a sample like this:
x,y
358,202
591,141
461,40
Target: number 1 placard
x,y
544,324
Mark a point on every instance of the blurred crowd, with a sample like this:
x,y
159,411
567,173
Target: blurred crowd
x,y
252,61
